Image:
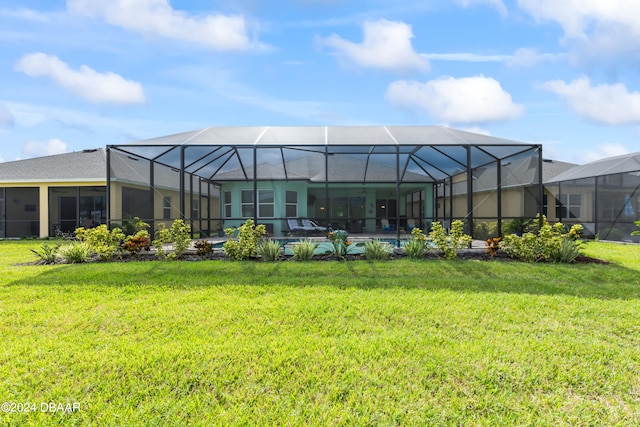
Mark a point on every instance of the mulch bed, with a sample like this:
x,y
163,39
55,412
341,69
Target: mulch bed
x,y
466,254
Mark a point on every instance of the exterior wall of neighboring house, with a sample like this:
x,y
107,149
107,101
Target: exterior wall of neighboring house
x,y
29,210
162,206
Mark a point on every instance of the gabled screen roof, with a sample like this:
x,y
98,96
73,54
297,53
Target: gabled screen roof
x,y
609,166
221,153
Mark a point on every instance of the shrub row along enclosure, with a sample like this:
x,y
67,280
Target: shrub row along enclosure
x,y
542,242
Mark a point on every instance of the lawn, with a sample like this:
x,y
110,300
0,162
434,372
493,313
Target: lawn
x,y
321,343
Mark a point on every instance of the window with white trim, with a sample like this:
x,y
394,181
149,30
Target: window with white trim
x,y
266,204
227,204
569,206
166,207
247,204
195,209
291,204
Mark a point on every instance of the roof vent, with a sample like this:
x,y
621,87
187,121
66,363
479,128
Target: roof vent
x,y
90,150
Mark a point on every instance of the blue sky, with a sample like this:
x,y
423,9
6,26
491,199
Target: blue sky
x,y
79,74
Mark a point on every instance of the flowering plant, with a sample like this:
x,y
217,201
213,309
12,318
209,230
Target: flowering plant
x,y
340,242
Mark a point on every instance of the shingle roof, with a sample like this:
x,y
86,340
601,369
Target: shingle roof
x,y
86,165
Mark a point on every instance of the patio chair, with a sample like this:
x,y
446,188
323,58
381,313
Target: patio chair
x,y
386,227
411,224
303,226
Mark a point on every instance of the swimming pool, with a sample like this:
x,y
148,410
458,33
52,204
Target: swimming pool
x,y
325,246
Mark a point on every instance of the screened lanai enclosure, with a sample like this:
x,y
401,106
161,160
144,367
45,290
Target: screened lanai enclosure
x,y
603,196
361,179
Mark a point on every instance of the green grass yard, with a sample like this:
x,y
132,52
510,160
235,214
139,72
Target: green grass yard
x,y
322,343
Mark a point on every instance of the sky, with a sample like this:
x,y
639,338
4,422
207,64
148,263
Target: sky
x,y
81,74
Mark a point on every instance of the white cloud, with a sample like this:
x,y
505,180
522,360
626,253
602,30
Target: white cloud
x,y
525,58
1,158
476,99
610,104
37,148
158,18
85,82
385,44
465,57
25,14
594,27
6,118
603,151
498,4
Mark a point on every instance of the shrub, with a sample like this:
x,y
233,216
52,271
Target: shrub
x,y
417,245
203,247
47,253
133,226
516,226
179,234
377,250
304,250
247,244
134,244
485,230
76,252
550,243
269,250
636,232
162,237
610,233
449,244
103,242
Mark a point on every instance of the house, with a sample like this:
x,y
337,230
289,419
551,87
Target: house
x,y
44,196
342,177
53,193
353,178
603,196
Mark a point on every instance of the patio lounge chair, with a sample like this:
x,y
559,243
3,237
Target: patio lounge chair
x,y
303,226
411,224
386,227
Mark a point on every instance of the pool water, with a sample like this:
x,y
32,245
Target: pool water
x,y
324,247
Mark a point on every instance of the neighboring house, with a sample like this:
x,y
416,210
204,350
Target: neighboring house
x,y
43,195
48,195
517,181
603,196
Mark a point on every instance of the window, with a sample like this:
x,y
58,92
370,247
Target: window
x,y
291,207
266,208
195,209
569,206
247,204
166,207
227,204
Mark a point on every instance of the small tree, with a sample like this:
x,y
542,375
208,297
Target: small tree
x,y
247,244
